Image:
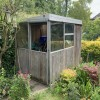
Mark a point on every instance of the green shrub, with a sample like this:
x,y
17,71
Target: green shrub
x,y
67,89
68,75
96,94
5,84
20,89
82,76
90,50
8,61
72,91
81,88
86,90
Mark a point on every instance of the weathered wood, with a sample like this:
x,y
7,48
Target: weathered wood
x,y
46,66
36,65
77,44
69,55
49,70
23,56
39,65
60,60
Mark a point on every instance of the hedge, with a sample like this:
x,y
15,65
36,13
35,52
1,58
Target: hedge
x,y
8,61
90,50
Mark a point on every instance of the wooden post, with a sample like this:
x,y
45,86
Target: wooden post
x,y
48,51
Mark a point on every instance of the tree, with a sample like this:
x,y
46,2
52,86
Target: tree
x,y
67,3
80,10
8,25
59,7
92,31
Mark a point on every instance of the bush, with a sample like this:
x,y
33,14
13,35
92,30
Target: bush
x,y
8,61
98,39
68,75
93,74
90,51
5,84
73,91
82,76
62,86
86,90
96,94
20,89
74,84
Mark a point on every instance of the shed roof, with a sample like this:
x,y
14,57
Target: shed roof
x,y
97,16
52,17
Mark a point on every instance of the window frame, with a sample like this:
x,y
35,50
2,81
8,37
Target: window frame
x,y
51,35
69,34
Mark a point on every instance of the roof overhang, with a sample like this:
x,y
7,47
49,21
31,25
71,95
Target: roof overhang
x,y
52,17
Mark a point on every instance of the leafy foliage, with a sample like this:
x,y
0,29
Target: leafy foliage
x,y
86,90
19,89
8,61
96,94
90,50
80,10
68,75
80,87
72,91
93,74
92,30
59,7
5,84
82,76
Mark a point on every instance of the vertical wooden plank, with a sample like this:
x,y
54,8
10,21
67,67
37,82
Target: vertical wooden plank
x,y
58,63
29,36
39,65
49,68
23,60
69,56
29,43
77,45
64,47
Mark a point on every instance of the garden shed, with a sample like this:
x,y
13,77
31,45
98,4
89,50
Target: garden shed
x,y
47,44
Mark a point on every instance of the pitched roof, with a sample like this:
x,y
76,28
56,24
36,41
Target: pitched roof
x,y
97,16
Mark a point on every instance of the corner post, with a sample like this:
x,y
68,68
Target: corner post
x,y
48,52
29,47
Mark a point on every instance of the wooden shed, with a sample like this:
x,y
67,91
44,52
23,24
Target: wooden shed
x,y
47,44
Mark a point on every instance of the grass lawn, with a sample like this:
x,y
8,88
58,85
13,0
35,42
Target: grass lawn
x,y
46,95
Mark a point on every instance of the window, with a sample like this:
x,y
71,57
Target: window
x,y
57,41
69,35
39,36
22,36
69,28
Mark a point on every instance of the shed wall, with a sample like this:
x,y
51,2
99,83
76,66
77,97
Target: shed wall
x,y
60,60
34,63
77,44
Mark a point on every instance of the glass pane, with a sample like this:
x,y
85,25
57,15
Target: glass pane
x,y
39,36
69,28
69,40
57,42
22,36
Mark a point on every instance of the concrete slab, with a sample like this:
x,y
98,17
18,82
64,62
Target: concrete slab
x,y
37,87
